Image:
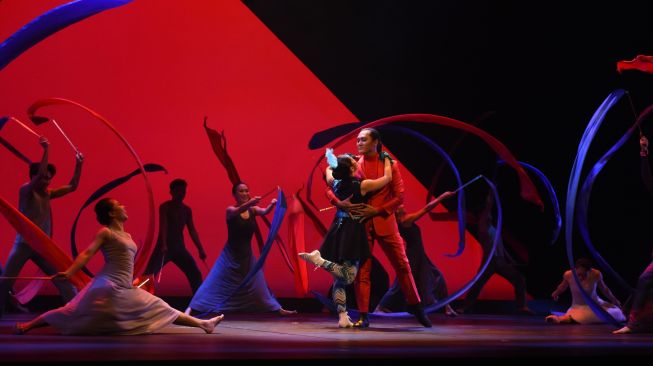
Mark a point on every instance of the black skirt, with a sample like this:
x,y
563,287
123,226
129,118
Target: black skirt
x,y
345,240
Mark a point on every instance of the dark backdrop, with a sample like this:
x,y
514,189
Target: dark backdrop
x,y
530,73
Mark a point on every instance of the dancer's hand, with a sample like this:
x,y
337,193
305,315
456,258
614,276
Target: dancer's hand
x,y
364,211
43,141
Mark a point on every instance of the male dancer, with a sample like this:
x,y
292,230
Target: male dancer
x,y
174,216
34,202
381,226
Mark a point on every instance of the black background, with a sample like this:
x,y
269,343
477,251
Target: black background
x,y
530,73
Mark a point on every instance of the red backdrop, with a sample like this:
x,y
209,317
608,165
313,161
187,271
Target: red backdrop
x,y
154,69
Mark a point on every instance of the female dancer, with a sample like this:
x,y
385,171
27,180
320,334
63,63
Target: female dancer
x,y
109,304
345,244
234,263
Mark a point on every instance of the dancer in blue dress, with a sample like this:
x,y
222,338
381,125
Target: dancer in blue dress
x,y
235,262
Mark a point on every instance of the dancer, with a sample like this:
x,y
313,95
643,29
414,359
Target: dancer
x,y
580,312
380,225
174,216
34,202
640,318
430,282
109,304
501,263
235,262
345,244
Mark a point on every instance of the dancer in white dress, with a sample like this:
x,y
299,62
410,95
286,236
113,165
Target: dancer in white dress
x,y
580,312
110,304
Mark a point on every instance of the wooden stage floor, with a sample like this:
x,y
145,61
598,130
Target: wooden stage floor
x,y
315,336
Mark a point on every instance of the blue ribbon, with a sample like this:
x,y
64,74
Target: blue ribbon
x,y
279,213
555,204
454,170
586,140
49,23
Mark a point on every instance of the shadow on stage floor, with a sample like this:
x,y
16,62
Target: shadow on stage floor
x,y
305,336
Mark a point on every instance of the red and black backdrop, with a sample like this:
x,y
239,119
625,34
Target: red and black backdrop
x,y
273,73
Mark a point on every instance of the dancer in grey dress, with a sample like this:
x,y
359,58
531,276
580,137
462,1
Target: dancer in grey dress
x,y
109,304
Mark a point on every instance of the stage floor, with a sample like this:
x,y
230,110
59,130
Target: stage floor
x,y
316,336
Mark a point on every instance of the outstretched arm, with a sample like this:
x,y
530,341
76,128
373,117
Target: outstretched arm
x,y
74,181
232,211
194,235
86,255
43,164
410,218
264,211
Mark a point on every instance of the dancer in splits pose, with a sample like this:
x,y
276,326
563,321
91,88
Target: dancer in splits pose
x,y
345,244
109,304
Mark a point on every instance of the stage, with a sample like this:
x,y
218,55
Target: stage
x,y
315,336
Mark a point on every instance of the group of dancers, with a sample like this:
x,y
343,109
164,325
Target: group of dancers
x,y
367,191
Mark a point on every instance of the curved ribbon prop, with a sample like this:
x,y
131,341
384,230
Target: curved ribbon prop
x,y
454,170
106,188
438,172
641,62
145,251
218,143
10,147
40,242
443,302
586,190
528,190
279,212
49,23
297,242
572,188
555,204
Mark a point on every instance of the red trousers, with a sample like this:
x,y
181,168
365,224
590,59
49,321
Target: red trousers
x,y
395,250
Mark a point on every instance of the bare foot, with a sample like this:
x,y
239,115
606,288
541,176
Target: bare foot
x,y
344,321
552,319
284,312
209,325
624,330
449,311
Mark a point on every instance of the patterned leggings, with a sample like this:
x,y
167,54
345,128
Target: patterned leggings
x,y
344,275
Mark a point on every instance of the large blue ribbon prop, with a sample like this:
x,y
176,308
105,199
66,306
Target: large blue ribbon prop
x,y
572,188
49,23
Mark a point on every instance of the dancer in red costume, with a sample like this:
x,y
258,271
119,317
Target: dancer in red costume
x,y
380,224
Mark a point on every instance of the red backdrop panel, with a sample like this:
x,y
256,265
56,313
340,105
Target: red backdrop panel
x,y
154,69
